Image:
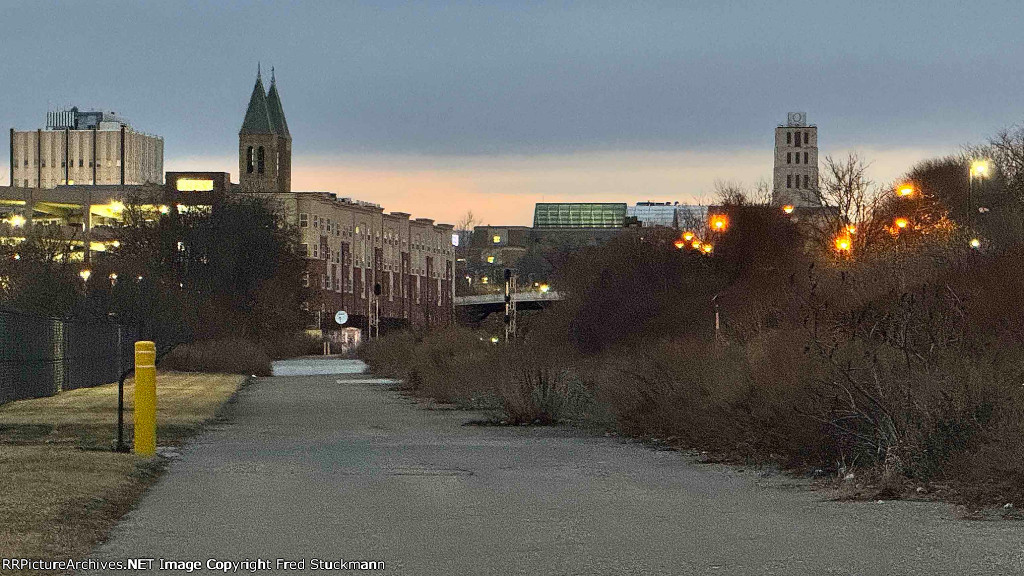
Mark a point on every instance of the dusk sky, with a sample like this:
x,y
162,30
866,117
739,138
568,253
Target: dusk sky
x,y
436,108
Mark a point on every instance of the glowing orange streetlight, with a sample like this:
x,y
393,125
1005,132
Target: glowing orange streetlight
x,y
788,208
901,222
719,222
687,236
679,244
843,243
696,244
707,248
906,190
851,229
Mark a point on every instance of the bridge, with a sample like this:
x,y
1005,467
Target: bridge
x,y
476,308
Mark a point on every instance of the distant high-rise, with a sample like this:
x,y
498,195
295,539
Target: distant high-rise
x,y
796,163
264,143
85,147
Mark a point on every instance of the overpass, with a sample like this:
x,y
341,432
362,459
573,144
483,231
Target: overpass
x,y
476,308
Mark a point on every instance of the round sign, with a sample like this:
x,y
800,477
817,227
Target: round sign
x,y
341,317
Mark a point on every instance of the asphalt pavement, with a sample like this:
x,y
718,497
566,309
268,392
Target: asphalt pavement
x,y
340,468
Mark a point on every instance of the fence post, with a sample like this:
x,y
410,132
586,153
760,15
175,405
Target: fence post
x,y
145,398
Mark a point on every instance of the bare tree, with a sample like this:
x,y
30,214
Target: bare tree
x,y
729,193
467,222
850,201
762,194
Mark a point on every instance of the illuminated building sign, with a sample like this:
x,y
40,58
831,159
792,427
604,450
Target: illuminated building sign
x,y
195,185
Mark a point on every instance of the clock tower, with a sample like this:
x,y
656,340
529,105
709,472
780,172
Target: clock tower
x,y
796,163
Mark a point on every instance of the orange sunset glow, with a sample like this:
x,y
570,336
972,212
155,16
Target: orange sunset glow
x,y
502,190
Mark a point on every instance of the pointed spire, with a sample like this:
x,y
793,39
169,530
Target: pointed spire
x,y
257,116
276,110
259,72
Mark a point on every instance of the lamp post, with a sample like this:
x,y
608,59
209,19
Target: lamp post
x,y
718,324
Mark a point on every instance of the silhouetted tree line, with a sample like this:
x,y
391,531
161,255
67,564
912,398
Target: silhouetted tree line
x,y
232,271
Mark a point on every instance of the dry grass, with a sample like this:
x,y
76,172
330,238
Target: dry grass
x,y
63,489
59,502
87,417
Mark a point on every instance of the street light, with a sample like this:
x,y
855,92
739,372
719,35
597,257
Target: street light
x,y
719,222
975,243
688,236
906,190
843,244
679,244
901,222
17,220
788,208
979,169
85,274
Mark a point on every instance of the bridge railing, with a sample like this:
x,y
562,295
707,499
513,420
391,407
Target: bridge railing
x,y
517,297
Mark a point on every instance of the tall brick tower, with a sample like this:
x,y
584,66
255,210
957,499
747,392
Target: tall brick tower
x,y
796,163
264,143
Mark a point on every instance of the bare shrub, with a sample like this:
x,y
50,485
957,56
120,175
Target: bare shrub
x,y
452,364
533,388
229,356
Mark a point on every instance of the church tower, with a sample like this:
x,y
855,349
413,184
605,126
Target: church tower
x,y
264,143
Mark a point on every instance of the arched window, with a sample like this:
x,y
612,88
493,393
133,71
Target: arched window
x,y
260,164
249,157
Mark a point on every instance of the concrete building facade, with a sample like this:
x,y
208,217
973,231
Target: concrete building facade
x,y
91,148
795,180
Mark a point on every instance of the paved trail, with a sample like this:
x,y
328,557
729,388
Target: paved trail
x,y
339,467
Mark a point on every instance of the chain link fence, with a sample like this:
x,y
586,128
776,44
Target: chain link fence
x,y
41,355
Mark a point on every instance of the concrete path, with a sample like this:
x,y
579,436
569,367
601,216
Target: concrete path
x,y
340,468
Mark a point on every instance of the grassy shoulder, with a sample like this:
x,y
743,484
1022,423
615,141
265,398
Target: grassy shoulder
x,y
64,487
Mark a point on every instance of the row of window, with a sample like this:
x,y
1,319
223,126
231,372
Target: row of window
x,y
791,180
797,137
791,156
332,282
328,226
316,252
81,163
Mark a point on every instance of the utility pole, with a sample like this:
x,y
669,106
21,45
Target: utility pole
x,y
376,309
510,305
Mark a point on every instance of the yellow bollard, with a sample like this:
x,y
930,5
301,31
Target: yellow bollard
x,y
145,398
